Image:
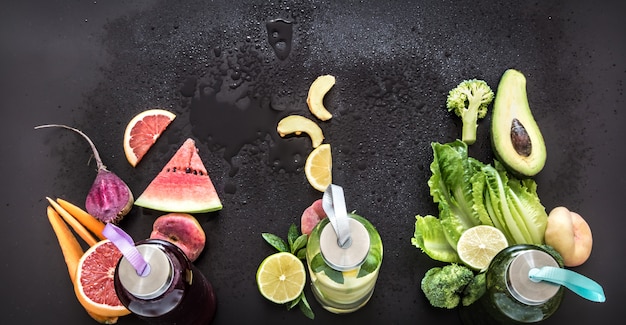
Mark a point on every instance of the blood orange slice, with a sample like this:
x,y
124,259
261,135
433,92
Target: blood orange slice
x,y
143,131
94,280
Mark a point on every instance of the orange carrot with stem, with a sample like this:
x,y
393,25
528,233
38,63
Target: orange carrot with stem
x,y
72,251
77,226
90,222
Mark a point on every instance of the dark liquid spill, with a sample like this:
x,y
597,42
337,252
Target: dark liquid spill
x,y
280,36
230,120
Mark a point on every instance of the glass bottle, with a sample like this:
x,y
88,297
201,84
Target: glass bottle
x,y
511,296
343,278
173,292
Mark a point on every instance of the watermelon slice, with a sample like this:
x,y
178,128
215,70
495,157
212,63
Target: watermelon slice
x,y
182,186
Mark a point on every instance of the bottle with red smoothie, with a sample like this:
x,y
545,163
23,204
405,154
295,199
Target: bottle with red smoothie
x,y
173,291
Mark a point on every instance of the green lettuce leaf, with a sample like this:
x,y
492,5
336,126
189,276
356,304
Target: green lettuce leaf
x,y
525,201
429,237
514,206
451,187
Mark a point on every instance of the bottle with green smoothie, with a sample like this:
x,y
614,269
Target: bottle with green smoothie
x,y
524,285
344,255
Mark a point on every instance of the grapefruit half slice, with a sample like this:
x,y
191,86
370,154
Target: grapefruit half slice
x,y
143,131
183,185
93,283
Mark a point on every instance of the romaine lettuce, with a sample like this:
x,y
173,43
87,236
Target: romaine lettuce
x,y
470,193
429,237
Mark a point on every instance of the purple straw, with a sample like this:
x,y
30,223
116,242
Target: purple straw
x,y
126,245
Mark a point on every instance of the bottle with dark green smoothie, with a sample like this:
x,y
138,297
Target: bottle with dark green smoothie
x,y
511,296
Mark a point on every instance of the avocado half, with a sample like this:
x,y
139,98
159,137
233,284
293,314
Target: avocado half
x,y
515,136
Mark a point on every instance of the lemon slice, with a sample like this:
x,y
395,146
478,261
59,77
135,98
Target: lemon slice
x,y
478,245
315,98
318,167
281,277
297,124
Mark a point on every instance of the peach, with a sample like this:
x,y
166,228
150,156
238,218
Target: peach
x,y
570,235
311,216
181,229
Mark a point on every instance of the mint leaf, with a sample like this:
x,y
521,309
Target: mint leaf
x,y
275,241
292,235
294,302
301,254
318,265
299,243
333,274
369,266
305,307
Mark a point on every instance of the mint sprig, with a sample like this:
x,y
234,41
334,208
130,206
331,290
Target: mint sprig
x,y
296,245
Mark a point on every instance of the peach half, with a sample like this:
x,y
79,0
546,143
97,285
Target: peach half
x,y
570,235
181,229
311,216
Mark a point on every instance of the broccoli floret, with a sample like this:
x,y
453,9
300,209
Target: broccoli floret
x,y
469,100
475,289
443,286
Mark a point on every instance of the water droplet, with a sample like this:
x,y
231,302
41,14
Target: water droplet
x,y
280,35
217,51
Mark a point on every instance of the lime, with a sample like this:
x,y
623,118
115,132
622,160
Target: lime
x,y
281,277
318,167
478,245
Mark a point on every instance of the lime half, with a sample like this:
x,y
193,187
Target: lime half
x,y
281,277
478,245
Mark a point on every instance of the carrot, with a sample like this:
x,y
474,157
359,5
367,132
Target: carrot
x,y
77,226
72,251
90,222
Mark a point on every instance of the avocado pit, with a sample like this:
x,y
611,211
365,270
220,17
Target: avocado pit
x,y
520,139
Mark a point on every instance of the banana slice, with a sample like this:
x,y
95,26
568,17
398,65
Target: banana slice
x,y
297,124
315,99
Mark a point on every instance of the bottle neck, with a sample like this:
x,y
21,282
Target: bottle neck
x,y
153,284
519,284
349,256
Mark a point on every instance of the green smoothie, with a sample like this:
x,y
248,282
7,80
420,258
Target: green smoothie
x,y
341,288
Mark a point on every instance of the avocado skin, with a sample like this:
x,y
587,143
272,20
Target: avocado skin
x,y
511,102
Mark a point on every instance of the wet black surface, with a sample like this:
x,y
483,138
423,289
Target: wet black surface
x,y
231,70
